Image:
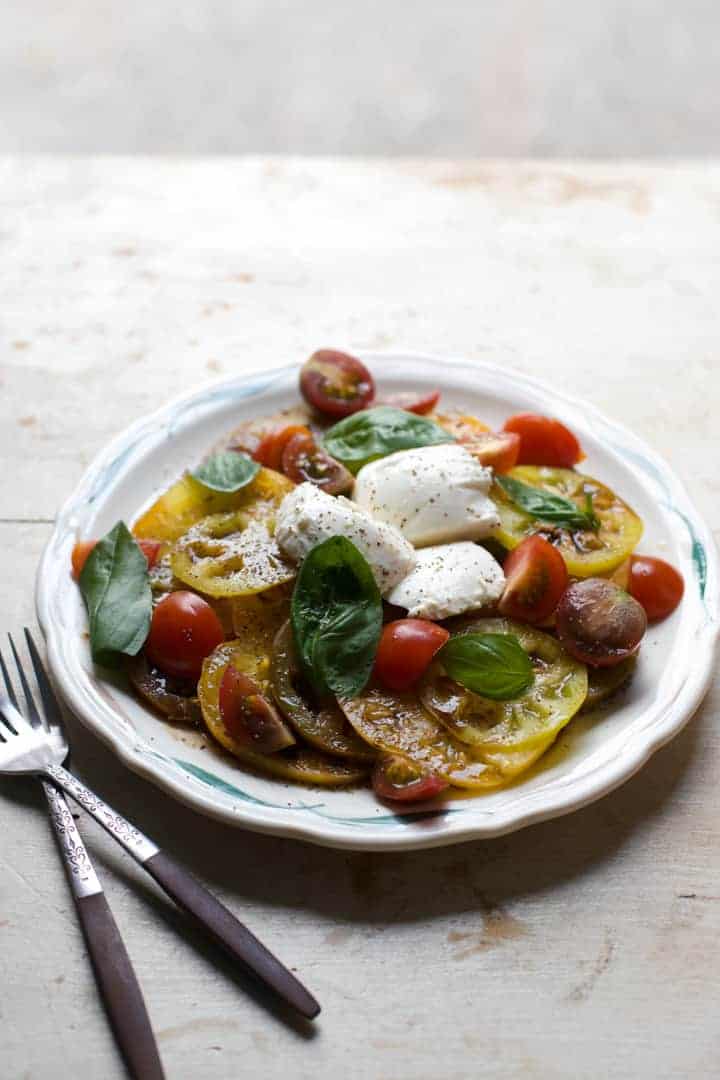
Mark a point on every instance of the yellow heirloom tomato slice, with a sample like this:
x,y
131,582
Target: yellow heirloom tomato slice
x,y
397,723
559,689
587,553
188,501
231,555
298,764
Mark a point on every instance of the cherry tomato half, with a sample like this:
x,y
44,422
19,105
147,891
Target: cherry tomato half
x,y
248,715
149,548
536,578
303,459
406,648
544,441
497,449
599,623
656,585
336,384
421,404
396,779
184,630
270,448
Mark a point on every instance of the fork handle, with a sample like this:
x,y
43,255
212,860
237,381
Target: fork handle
x,y
192,897
116,980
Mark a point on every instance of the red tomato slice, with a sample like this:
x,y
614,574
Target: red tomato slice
x,y
421,404
544,441
149,548
396,779
303,460
656,585
270,449
336,384
249,716
184,630
406,648
535,579
498,449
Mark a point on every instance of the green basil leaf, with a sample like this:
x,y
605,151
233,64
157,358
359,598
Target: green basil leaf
x,y
546,506
115,586
493,665
375,433
336,617
227,472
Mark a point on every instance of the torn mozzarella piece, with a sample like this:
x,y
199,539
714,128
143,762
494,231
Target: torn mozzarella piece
x,y
449,579
307,516
433,495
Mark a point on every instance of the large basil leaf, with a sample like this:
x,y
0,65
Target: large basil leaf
x,y
546,506
493,665
375,433
116,589
336,617
227,472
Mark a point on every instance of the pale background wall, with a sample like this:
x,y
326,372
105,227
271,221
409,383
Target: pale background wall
x,y
457,78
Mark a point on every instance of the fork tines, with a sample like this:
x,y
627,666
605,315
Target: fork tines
x,y
50,716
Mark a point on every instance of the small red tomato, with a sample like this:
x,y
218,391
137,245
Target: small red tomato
x,y
270,449
421,404
248,715
399,780
535,579
498,449
184,630
544,441
599,623
656,585
149,548
336,384
303,459
406,648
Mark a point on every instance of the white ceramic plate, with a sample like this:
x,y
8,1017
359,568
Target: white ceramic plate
x,y
592,757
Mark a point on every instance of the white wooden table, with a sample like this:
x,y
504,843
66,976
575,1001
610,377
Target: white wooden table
x,y
586,947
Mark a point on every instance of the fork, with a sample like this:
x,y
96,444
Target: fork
x,y
40,749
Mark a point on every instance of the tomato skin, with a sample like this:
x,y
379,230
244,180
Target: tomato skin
x,y
270,448
336,384
656,585
420,404
397,780
82,549
536,578
497,449
184,630
599,623
406,648
544,441
248,715
303,460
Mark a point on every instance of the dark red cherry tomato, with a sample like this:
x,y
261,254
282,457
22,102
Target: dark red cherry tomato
x,y
81,551
398,780
248,715
544,441
497,449
656,585
336,384
184,630
421,404
269,451
406,648
304,460
535,579
599,623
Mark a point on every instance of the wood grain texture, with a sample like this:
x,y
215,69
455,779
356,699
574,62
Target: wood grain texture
x,y
581,948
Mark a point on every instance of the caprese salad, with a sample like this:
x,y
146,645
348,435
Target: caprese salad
x,y
371,587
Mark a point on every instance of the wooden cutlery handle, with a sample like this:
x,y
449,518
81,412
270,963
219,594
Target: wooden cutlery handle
x,y
224,928
120,990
